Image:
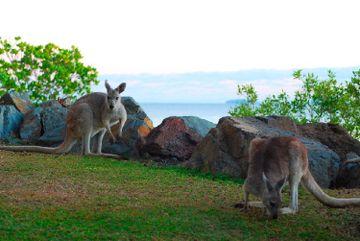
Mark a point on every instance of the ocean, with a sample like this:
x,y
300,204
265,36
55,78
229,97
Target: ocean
x,y
211,112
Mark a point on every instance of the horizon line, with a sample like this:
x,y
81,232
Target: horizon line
x,y
233,71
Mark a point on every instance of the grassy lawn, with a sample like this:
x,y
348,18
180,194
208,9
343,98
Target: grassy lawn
x,y
43,197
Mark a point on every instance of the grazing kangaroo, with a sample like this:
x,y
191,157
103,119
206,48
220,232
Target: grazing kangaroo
x,y
91,114
271,162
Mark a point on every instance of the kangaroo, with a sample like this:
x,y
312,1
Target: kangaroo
x,y
271,162
91,114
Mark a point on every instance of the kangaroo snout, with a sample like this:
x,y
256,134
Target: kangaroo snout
x,y
111,107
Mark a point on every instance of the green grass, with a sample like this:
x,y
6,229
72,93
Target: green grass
x,y
43,197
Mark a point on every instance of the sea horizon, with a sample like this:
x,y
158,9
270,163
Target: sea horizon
x,y
212,112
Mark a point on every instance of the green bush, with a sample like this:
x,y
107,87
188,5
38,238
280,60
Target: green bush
x,y
318,100
44,71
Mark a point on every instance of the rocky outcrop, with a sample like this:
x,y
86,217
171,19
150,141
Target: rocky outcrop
x,y
53,118
333,136
349,173
197,143
280,122
20,101
199,125
139,126
45,125
10,120
225,149
31,127
172,141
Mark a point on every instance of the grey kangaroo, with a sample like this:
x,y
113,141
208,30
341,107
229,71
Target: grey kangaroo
x,y
271,162
91,114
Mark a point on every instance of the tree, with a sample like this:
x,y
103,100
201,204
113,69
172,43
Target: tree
x,y
317,101
44,71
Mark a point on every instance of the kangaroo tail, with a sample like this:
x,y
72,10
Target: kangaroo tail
x,y
309,182
41,149
62,148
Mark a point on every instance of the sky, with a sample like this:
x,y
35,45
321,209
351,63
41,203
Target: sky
x,y
213,87
178,37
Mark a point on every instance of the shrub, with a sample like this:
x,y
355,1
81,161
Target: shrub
x,y
318,100
43,71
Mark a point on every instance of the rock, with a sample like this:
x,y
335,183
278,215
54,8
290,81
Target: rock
x,y
20,101
349,173
10,120
201,126
53,117
172,139
333,136
31,127
224,150
280,122
137,127
45,125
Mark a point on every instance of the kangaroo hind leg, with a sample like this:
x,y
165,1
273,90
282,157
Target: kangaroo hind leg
x,y
86,143
295,174
294,181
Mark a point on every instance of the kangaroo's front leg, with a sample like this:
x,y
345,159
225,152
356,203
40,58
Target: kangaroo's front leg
x,y
112,137
246,204
122,123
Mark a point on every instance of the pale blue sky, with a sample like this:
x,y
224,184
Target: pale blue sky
x,y
210,87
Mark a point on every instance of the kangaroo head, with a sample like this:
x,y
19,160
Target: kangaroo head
x,y
113,95
271,197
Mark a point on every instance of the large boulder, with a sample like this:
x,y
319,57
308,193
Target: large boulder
x,y
224,150
31,127
45,125
333,136
349,173
337,139
137,127
199,125
21,101
53,118
10,120
173,141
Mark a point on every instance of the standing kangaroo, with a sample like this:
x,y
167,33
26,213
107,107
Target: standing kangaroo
x,y
91,114
271,162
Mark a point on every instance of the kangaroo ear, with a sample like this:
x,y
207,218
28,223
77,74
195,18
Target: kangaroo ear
x,y
267,182
121,87
280,184
107,86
